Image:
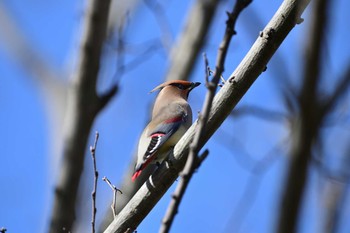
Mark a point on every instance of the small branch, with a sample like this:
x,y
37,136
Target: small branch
x,y
201,158
339,91
230,31
186,175
3,230
115,191
207,70
192,159
93,194
106,97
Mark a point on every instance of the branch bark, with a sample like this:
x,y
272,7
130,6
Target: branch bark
x,y
83,106
240,81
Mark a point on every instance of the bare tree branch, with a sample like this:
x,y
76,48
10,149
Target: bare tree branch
x,y
186,175
192,38
338,92
115,192
191,162
230,94
84,105
93,194
306,124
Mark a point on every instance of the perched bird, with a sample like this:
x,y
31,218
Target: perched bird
x,y
171,117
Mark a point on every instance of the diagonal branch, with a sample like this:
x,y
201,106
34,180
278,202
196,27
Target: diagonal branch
x,y
191,162
227,98
338,92
184,53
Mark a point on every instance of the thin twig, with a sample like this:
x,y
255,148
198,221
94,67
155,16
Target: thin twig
x,y
93,194
3,230
192,159
115,191
207,70
223,81
340,89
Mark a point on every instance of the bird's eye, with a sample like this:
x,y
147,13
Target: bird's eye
x,y
180,86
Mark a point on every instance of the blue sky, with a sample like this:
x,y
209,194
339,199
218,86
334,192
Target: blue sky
x,y
213,201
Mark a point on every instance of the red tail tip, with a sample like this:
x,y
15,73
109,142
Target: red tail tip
x,y
136,174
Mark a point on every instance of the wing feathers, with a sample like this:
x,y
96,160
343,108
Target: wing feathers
x,y
158,137
156,141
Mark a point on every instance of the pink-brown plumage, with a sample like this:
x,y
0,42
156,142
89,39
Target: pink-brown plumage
x,y
171,117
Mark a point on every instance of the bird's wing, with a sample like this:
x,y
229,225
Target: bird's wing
x,y
157,137
162,133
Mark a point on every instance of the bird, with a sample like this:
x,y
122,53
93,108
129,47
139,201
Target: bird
x,y
171,117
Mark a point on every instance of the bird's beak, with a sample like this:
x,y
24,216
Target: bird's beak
x,y
193,85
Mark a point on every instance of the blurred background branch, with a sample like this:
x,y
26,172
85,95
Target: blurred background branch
x,y
306,124
84,103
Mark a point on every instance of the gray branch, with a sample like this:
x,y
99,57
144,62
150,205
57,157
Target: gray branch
x,y
94,190
192,39
306,123
83,105
231,93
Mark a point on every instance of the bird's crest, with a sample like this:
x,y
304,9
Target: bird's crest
x,y
183,82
